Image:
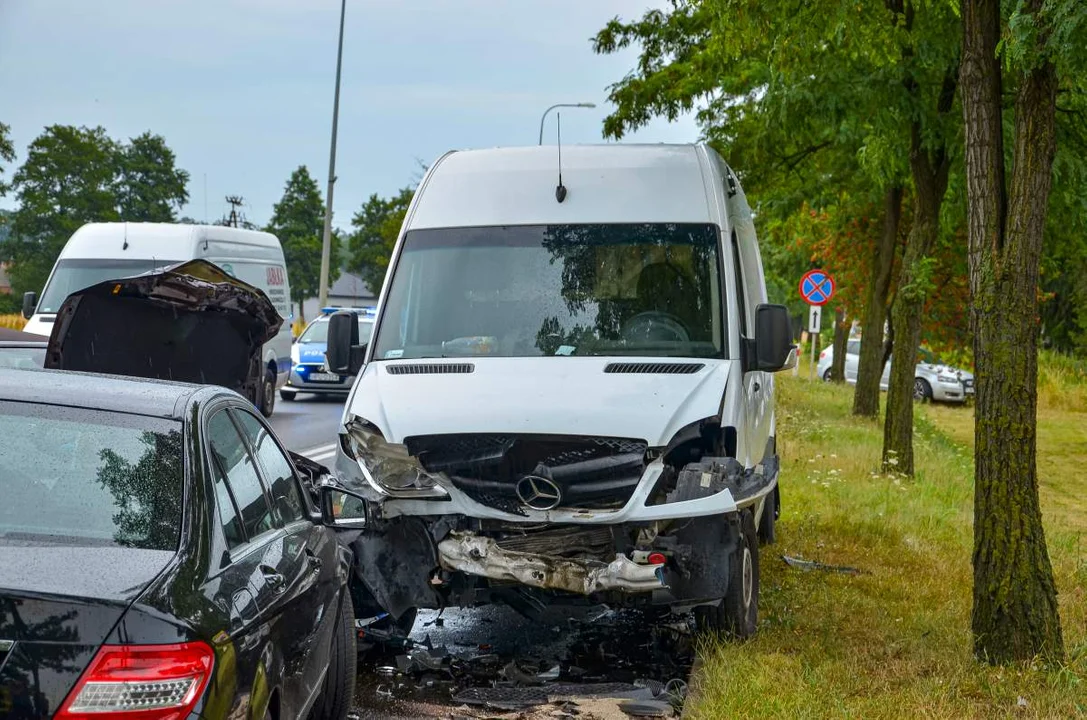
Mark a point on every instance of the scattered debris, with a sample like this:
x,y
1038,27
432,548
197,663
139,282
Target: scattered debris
x,y
808,565
646,708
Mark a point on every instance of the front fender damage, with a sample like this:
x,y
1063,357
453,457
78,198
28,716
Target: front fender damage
x,y
482,556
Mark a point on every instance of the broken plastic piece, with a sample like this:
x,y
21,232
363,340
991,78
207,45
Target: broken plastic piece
x,y
809,565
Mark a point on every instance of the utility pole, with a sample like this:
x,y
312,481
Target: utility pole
x,y
326,240
235,201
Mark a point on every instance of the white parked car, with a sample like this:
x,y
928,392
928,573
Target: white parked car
x,y
569,391
932,380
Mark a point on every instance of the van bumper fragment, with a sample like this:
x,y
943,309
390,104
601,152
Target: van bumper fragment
x,y
481,556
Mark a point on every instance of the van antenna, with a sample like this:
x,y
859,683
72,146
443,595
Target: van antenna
x,y
560,191
125,245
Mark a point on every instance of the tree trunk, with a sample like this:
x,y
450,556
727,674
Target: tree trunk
x,y
929,170
870,366
1015,613
841,335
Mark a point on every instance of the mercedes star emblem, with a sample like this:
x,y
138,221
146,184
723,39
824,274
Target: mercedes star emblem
x,y
539,493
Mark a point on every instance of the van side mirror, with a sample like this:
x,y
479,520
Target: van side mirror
x,y
30,303
774,349
343,352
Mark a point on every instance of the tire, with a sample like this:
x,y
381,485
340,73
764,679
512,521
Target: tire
x,y
268,394
922,391
768,526
339,688
287,395
826,375
738,614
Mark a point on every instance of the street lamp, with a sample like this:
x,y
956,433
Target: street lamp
x,y
570,105
326,240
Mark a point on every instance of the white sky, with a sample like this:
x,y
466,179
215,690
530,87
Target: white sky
x,y
242,89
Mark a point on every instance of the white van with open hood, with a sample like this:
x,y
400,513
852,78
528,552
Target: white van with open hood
x,y
568,392
98,252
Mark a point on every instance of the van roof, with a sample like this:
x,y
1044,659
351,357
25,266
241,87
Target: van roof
x,y
94,237
605,184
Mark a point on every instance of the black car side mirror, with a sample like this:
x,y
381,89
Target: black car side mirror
x,y
774,349
343,352
30,303
341,508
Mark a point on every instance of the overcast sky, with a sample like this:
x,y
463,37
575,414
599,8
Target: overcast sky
x,y
242,89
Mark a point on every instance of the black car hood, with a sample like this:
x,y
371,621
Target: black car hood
x,y
189,322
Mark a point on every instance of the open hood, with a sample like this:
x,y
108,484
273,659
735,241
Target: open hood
x,y
189,322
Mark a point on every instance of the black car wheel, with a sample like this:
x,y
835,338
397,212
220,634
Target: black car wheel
x,y
339,687
922,391
738,614
826,375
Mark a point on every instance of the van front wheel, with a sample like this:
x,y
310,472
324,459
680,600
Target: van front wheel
x,y
738,614
268,394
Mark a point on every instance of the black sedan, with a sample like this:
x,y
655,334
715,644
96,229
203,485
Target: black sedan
x,y
22,350
161,557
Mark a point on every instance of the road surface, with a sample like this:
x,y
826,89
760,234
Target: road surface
x,y
307,425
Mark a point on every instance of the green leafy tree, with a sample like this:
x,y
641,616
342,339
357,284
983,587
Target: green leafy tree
x,y
151,187
298,222
7,153
69,178
1032,51
376,227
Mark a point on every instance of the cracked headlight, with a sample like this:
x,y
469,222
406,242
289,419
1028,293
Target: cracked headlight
x,y
388,466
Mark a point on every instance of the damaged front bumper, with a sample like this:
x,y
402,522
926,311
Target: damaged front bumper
x,y
482,557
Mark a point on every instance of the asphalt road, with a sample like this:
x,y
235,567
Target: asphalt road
x,y
307,425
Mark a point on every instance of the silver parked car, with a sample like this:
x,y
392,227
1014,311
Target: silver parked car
x,y
932,380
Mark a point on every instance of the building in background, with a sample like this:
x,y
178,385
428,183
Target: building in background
x,y
348,291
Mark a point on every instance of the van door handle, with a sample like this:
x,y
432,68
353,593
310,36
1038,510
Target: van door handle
x,y
755,387
274,579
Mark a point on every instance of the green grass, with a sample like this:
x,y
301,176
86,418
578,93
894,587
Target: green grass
x,y
895,641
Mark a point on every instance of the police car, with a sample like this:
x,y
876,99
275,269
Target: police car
x,y
309,373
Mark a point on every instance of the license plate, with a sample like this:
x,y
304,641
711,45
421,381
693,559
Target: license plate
x,y
324,377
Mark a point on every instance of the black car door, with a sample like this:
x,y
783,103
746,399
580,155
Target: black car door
x,y
249,584
308,564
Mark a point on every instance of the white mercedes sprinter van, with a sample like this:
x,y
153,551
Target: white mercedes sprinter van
x,y
568,393
98,252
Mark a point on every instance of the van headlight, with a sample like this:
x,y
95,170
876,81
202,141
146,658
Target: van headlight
x,y
388,466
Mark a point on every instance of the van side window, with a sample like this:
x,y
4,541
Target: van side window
x,y
740,286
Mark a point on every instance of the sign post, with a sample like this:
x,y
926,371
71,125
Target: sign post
x,y
816,288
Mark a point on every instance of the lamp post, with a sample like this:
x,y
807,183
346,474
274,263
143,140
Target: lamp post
x,y
326,240
561,105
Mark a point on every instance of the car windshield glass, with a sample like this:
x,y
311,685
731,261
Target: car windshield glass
x,y
317,332
24,358
76,274
645,289
86,477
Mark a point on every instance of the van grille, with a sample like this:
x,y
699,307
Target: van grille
x,y
591,472
654,368
430,369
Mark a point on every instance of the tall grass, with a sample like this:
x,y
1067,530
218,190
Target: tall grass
x,y
1062,381
894,641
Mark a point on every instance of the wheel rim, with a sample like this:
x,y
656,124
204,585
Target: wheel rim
x,y
749,577
269,393
919,389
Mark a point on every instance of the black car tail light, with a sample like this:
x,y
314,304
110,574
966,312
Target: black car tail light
x,y
149,682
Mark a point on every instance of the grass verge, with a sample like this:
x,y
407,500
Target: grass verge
x,y
894,641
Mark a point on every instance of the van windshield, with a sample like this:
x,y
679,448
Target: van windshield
x,y
633,289
74,274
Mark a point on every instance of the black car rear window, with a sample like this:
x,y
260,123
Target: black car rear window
x,y
88,477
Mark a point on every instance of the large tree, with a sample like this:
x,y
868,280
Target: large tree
x,y
69,178
7,153
376,227
298,221
1015,613
151,187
